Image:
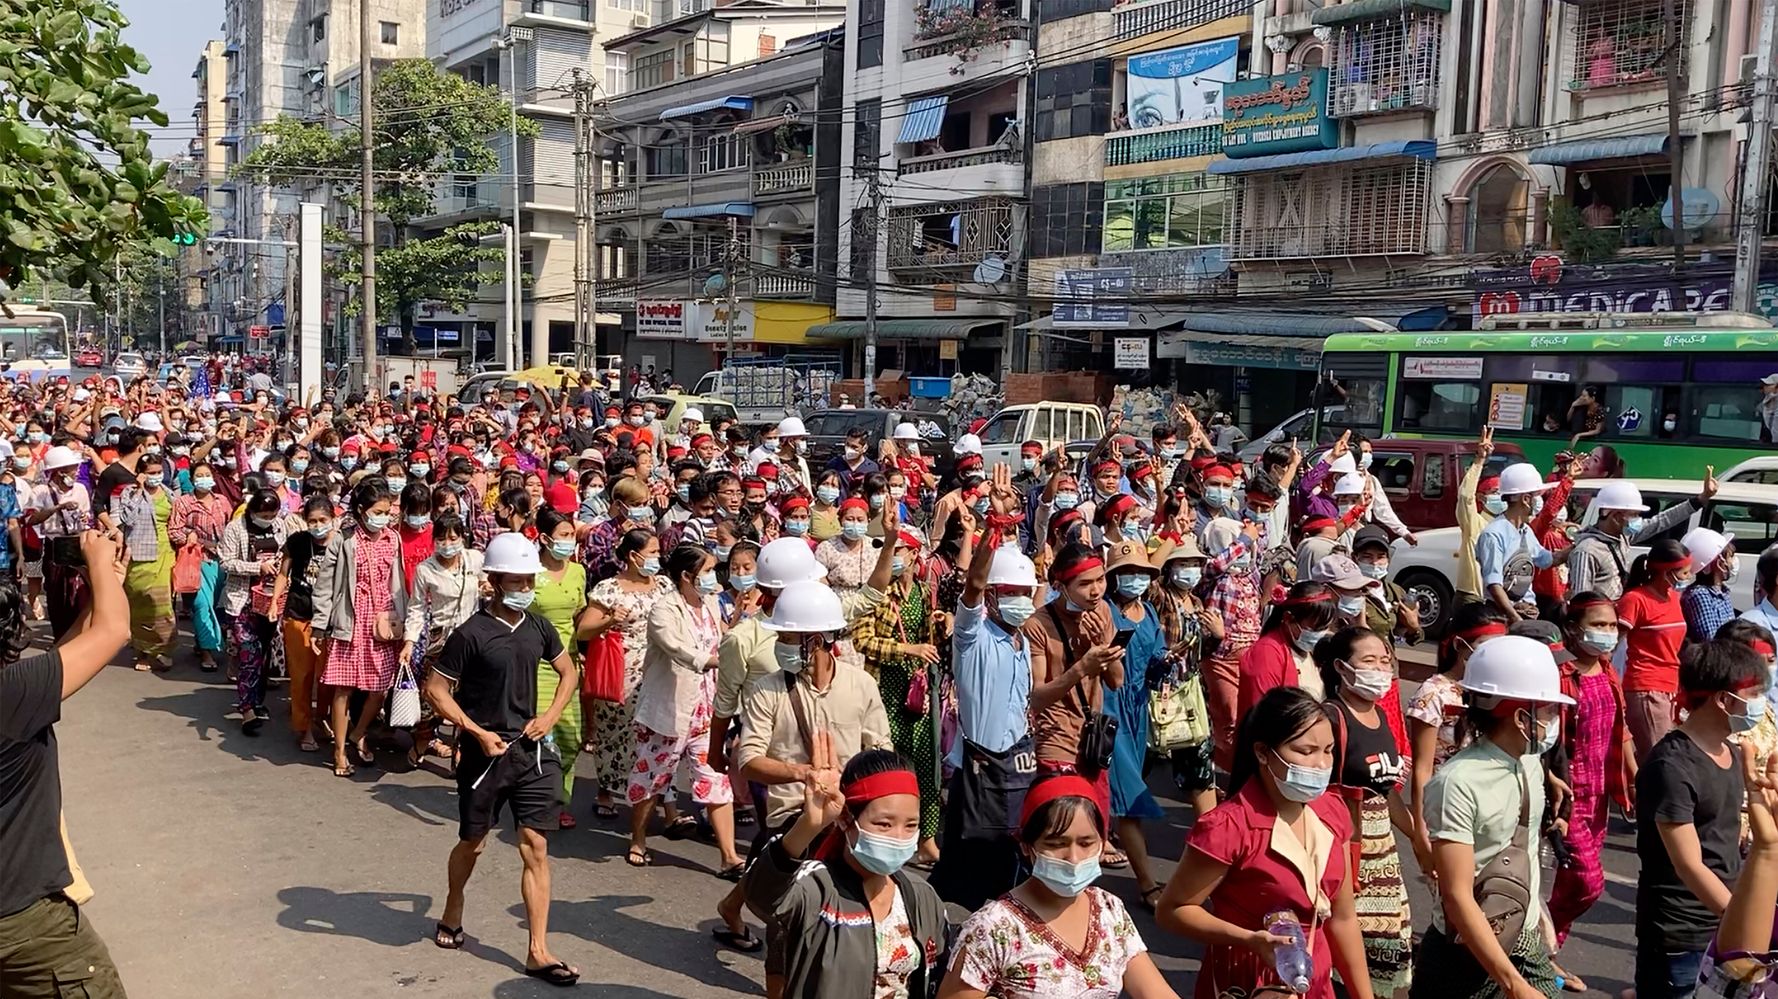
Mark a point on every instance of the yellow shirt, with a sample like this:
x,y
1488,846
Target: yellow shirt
x,y
1470,522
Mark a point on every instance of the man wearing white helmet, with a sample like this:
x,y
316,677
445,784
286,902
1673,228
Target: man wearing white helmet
x,y
1706,603
1484,796
1507,552
1600,559
60,509
485,683
793,446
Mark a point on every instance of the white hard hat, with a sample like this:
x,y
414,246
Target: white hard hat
x,y
1704,545
785,561
1343,465
909,432
61,457
1620,495
1516,668
806,606
968,444
514,553
1011,568
694,414
81,394
1351,484
791,426
1521,478
150,422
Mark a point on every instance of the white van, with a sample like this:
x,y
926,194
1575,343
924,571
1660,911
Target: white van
x,y
1051,424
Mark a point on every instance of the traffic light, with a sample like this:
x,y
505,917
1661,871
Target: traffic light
x,y
185,238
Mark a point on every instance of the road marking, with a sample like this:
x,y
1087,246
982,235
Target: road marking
x,y
1619,879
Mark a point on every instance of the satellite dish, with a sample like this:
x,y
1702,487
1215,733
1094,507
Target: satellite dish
x,y
1700,207
715,285
990,270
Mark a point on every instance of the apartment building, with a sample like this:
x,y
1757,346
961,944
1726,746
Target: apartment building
x,y
936,182
208,162
723,185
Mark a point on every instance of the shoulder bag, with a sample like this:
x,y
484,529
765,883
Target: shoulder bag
x,y
404,700
1503,885
1098,730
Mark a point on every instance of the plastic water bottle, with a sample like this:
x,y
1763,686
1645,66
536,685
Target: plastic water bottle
x,y
1291,960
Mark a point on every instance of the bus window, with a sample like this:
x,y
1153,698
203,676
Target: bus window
x,y
1354,383
1440,405
1750,524
1725,397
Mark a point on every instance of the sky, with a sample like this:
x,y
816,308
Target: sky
x,y
171,34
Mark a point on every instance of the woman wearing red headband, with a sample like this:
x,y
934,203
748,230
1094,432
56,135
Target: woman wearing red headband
x,y
1435,714
1055,934
1653,627
853,924
847,558
1277,845
1300,619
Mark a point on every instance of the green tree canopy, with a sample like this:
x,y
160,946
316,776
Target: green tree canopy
x,y
430,125
77,180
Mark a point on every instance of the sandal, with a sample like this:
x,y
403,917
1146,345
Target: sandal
x,y
745,816
566,821
604,810
733,874
361,750
638,857
1570,981
681,828
343,769
744,941
308,744
143,666
558,974
1114,859
1149,897
448,937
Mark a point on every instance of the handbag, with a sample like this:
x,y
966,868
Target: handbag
x,y
188,569
385,627
1503,885
1178,715
603,677
1098,730
919,690
404,700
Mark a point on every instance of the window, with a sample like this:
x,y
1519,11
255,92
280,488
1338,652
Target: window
x,y
1066,219
1385,64
652,70
345,98
633,6
615,261
867,133
391,32
1724,398
1751,524
722,152
1622,42
864,242
1002,429
1156,213
1074,100
668,159
318,28
617,72
1497,211
870,33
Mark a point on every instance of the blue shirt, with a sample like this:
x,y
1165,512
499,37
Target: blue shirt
x,y
1706,608
1497,552
9,510
1766,616
993,681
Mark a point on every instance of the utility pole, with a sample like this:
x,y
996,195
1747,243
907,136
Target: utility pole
x,y
875,193
290,337
515,326
728,282
162,288
1751,210
367,208
586,259
1675,155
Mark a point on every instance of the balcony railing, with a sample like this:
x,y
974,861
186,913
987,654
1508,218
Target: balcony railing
x,y
622,199
615,290
573,10
951,235
1166,143
957,41
792,287
997,153
458,204
1144,16
782,177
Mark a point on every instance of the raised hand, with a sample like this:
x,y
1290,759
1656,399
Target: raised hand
x,y
1000,491
1710,484
822,801
1485,446
1341,446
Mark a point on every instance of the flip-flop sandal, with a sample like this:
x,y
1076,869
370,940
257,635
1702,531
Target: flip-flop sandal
x,y
566,821
604,811
733,873
744,941
344,771
309,745
558,974
744,816
142,666
681,828
448,937
1115,860
637,857
161,665
1151,896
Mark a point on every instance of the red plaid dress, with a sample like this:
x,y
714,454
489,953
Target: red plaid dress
x,y
363,663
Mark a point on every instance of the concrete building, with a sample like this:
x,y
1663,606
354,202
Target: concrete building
x,y
538,43
730,174
208,159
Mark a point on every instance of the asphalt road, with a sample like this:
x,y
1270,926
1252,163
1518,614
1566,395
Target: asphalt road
x,y
235,866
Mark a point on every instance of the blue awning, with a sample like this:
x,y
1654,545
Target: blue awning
x,y
1236,322
924,117
721,208
1420,149
227,341
1587,150
233,49
229,140
730,103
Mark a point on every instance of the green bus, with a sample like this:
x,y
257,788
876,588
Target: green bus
x,y
1674,391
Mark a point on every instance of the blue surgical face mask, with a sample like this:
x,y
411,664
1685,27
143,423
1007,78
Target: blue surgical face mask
x,y
1132,584
376,521
899,566
650,566
274,479
419,470
1067,500
707,582
640,513
1133,530
348,463
203,483
1634,526
1186,576
396,485
683,491
299,465
828,494
1374,570
1550,730
558,466
418,520
1494,505
1015,611
883,855
1754,709
853,530
1219,497
1302,784
1351,606
561,547
450,549
320,530
796,528
518,599
876,502
1308,638
1599,641
1064,878
742,584
721,552
1027,463
980,506
789,656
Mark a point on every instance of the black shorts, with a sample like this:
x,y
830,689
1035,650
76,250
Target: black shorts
x,y
527,779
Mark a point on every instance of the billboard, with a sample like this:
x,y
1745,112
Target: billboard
x,y
1092,298
662,319
1277,114
1180,86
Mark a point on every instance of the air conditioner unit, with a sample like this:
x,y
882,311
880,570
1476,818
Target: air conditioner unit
x,y
639,20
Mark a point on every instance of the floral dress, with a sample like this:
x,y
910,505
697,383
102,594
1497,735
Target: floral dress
x,y
847,568
898,955
1006,951
614,742
362,662
1439,703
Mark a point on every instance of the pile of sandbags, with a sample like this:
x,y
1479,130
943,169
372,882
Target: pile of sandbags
x,y
1143,408
971,396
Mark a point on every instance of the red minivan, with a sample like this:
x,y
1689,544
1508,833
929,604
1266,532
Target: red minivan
x,y
1421,476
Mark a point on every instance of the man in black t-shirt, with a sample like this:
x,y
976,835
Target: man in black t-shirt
x,y
1688,796
486,685
118,474
48,948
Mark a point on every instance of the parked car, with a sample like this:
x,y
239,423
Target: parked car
x,y
1420,476
828,430
1051,424
1297,426
129,365
89,357
1748,510
673,405
1761,469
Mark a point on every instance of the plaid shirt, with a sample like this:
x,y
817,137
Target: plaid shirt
x,y
135,513
1235,596
1706,608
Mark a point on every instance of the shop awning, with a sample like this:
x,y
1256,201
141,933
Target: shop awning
x,y
228,341
925,116
1142,320
753,126
733,102
902,329
1272,326
1612,148
717,209
1280,341
1370,10
1419,149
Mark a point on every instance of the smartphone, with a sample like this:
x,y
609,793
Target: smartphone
x,y
1122,639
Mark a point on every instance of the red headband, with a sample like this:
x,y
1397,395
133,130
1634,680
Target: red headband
x,y
1488,630
1317,523
1050,788
791,503
1103,465
1281,598
1141,470
1118,504
1082,567
908,539
1489,484
1763,648
753,482
881,785
1031,447
1215,470
1669,563
854,503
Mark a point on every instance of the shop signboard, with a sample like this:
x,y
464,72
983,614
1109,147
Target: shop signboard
x,y
662,319
1277,114
1182,85
710,322
1552,285
1092,298
1130,353
1174,345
